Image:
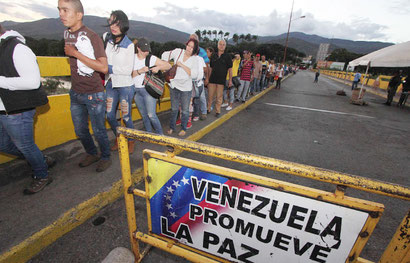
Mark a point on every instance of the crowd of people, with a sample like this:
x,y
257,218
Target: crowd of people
x,y
107,75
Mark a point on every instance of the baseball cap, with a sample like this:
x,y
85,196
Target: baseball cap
x,y
143,44
245,51
258,55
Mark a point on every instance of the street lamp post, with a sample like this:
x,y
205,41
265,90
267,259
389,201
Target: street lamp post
x,y
287,35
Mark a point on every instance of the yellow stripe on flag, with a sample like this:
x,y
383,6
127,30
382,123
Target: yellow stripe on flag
x,y
160,173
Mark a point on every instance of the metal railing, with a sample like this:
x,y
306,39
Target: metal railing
x,y
397,251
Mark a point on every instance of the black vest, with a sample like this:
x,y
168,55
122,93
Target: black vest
x,y
19,100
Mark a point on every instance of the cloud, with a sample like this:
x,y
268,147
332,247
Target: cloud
x,y
27,11
190,19
400,7
43,9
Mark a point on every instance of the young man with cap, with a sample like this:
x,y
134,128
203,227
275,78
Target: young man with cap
x,y
20,94
87,58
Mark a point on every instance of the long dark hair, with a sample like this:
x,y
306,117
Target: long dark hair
x,y
195,50
122,19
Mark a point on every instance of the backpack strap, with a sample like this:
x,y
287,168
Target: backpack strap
x,y
147,60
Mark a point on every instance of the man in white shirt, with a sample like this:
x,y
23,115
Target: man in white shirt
x,y
20,94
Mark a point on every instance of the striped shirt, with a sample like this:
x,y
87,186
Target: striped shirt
x,y
246,70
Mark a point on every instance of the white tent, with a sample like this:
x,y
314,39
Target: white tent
x,y
391,56
395,56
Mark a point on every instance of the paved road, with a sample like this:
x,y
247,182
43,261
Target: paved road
x,y
304,122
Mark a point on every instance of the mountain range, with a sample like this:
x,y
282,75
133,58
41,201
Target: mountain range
x,y
52,28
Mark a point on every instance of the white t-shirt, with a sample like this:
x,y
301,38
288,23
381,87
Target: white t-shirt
x,y
182,80
139,64
201,66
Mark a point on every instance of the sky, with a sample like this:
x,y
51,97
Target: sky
x,y
367,20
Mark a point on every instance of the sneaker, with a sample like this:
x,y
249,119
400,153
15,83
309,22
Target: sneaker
x,y
189,125
196,118
202,117
217,114
37,185
224,105
178,122
50,161
229,108
89,160
103,165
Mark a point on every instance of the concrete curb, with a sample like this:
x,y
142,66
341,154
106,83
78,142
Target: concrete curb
x,y
82,212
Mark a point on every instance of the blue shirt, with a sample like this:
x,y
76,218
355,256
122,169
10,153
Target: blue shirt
x,y
357,77
202,54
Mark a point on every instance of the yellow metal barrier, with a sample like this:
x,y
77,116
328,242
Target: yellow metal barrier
x,y
349,76
397,251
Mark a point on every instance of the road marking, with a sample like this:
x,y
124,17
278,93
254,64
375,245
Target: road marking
x,y
319,110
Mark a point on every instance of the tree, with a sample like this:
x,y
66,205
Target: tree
x,y
342,55
235,38
209,34
248,37
215,33
221,34
226,36
242,37
254,38
198,33
204,33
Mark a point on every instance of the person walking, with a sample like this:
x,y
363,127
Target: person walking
x,y
146,104
317,74
119,86
86,53
20,94
181,85
221,64
279,74
356,80
394,83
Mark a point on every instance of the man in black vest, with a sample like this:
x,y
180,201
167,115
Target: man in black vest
x,y
20,94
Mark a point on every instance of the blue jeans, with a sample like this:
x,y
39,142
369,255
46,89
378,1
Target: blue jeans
x,y
243,90
179,98
122,96
230,91
256,85
263,82
147,106
93,106
354,85
16,138
197,101
202,99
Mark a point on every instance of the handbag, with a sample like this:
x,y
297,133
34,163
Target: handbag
x,y
170,73
153,85
276,77
236,82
